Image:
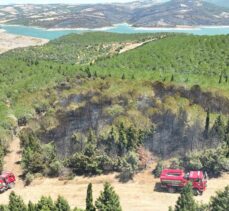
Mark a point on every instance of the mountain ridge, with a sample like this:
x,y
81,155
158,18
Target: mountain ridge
x,y
137,13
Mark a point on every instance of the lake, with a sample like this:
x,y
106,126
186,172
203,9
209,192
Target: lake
x,y
119,28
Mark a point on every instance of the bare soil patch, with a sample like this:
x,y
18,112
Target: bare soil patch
x,y
136,195
10,41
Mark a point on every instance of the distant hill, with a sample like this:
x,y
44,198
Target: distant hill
x,y
181,12
144,13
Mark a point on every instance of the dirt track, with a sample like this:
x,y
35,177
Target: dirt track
x,y
137,195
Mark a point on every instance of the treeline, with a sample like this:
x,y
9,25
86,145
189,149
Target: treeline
x,y
214,159
37,157
186,201
107,201
116,152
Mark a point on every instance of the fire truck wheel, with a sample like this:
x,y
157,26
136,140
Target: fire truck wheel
x,y
171,190
11,185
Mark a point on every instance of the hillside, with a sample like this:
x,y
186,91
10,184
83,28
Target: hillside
x,y
190,59
137,13
55,93
181,12
92,104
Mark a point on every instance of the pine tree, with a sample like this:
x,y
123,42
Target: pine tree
x,y
123,76
186,201
172,78
4,208
91,137
218,129
220,202
207,124
108,200
61,204
227,128
111,142
89,199
45,204
220,78
132,138
88,72
158,169
16,203
31,206
122,142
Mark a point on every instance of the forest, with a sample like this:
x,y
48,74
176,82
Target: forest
x,y
89,108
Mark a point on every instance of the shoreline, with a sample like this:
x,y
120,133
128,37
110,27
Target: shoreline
x,y
9,41
106,28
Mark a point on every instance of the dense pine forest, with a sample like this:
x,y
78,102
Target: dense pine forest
x,y
87,107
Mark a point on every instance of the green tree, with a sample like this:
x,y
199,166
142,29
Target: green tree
x,y
16,203
91,137
123,76
132,138
61,204
220,78
31,206
227,127
218,129
122,142
108,200
89,199
158,169
220,202
45,204
186,201
4,208
207,123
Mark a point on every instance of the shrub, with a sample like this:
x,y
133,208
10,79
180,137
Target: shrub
x,y
16,203
220,202
61,204
29,178
158,169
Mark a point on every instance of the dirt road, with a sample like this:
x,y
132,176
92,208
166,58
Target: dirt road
x,y
137,195
12,161
131,46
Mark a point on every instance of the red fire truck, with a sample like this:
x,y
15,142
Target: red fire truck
x,y
7,181
175,179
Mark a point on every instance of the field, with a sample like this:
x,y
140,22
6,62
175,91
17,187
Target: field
x,y
135,195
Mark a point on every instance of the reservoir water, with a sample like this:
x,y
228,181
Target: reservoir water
x,y
119,28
